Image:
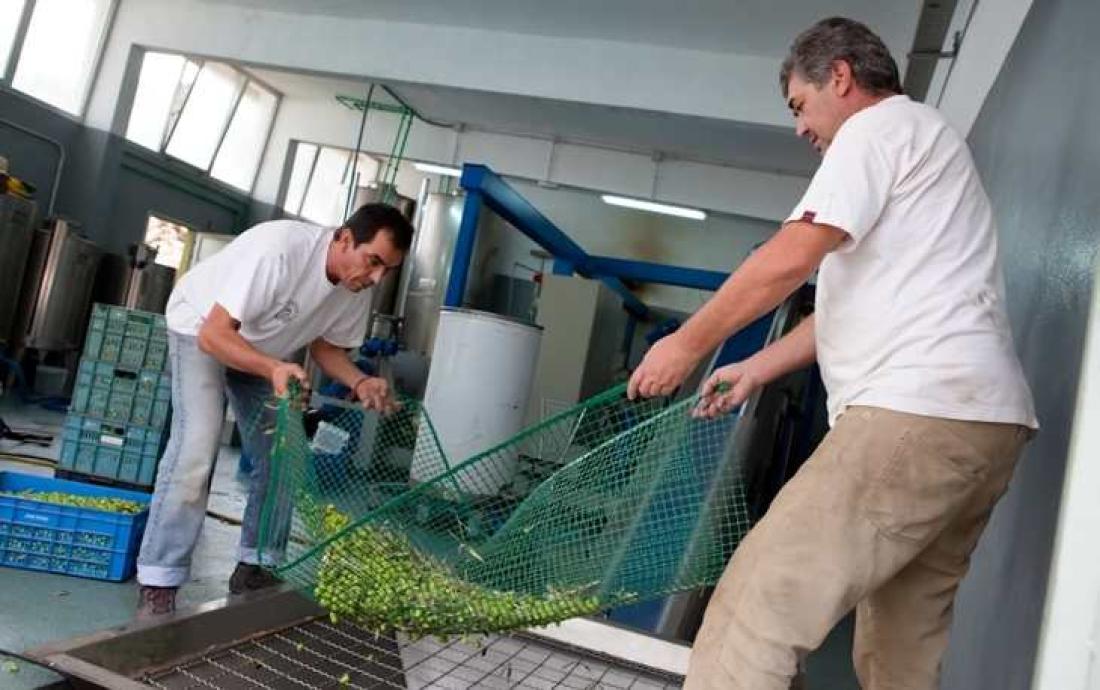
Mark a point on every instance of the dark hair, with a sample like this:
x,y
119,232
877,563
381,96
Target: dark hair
x,y
816,49
365,223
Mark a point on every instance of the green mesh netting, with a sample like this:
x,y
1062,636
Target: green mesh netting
x,y
611,502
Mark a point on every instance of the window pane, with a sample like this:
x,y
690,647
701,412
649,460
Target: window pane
x,y
60,51
160,74
168,238
9,24
304,155
187,80
327,191
365,171
204,117
239,155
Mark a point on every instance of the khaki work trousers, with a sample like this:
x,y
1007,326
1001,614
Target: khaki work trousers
x,y
883,517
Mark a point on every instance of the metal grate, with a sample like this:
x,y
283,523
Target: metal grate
x,y
319,654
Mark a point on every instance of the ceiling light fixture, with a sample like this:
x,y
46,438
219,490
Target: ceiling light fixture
x,y
654,207
439,169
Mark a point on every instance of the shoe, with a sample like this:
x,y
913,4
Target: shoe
x,y
156,601
248,577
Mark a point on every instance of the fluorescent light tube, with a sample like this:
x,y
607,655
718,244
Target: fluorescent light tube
x,y
654,207
439,169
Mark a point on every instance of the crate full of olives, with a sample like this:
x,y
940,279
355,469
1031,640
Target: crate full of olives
x,y
70,528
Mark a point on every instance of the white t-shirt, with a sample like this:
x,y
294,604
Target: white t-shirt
x,y
910,311
272,279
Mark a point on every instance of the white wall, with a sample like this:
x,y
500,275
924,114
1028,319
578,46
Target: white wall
x,y
592,71
596,71
333,126
768,196
1071,629
586,70
959,87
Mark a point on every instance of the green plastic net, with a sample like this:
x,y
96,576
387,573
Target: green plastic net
x,y
609,503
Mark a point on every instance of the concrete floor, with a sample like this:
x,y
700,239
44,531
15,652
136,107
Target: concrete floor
x,y
36,608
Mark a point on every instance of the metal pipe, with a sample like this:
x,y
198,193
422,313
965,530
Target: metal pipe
x,y
355,156
32,460
396,152
60,157
401,152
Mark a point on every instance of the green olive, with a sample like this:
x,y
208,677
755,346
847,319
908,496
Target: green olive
x,y
376,577
110,505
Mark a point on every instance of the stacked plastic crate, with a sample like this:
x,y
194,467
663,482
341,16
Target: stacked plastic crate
x,y
118,419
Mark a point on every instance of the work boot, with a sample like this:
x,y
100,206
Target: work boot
x,y
248,577
156,601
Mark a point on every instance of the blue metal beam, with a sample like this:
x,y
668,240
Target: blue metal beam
x,y
646,272
464,249
512,207
633,305
490,189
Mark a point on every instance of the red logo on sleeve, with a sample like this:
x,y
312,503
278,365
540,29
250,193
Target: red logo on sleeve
x,y
808,216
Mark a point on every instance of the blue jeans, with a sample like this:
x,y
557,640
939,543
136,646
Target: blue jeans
x,y
199,387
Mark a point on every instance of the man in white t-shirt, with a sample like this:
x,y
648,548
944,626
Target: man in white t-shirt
x,y
234,321
927,401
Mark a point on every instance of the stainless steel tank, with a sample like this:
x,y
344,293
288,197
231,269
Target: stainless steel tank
x,y
135,282
428,268
17,218
386,194
150,288
56,297
477,393
385,293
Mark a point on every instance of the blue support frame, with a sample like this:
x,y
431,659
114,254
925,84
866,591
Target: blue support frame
x,y
464,249
646,272
483,186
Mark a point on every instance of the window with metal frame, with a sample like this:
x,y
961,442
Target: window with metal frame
x,y
321,178
49,49
211,115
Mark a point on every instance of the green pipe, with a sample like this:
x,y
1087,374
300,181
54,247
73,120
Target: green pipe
x,y
406,123
358,147
393,151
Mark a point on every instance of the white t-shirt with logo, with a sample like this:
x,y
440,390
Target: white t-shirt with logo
x,y
272,279
910,312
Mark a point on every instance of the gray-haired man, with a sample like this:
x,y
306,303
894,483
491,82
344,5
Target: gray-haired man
x,y
927,401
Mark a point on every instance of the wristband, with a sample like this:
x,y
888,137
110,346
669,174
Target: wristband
x,y
355,388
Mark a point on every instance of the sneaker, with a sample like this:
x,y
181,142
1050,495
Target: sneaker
x,y
249,578
156,601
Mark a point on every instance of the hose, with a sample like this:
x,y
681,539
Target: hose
x,y
34,460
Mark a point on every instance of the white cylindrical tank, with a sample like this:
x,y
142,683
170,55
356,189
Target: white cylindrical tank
x,y
479,383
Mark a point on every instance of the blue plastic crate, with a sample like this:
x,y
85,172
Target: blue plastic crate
x,y
65,539
127,337
123,453
122,396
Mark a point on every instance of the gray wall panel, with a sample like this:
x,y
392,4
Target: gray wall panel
x,y
109,185
1038,151
30,158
